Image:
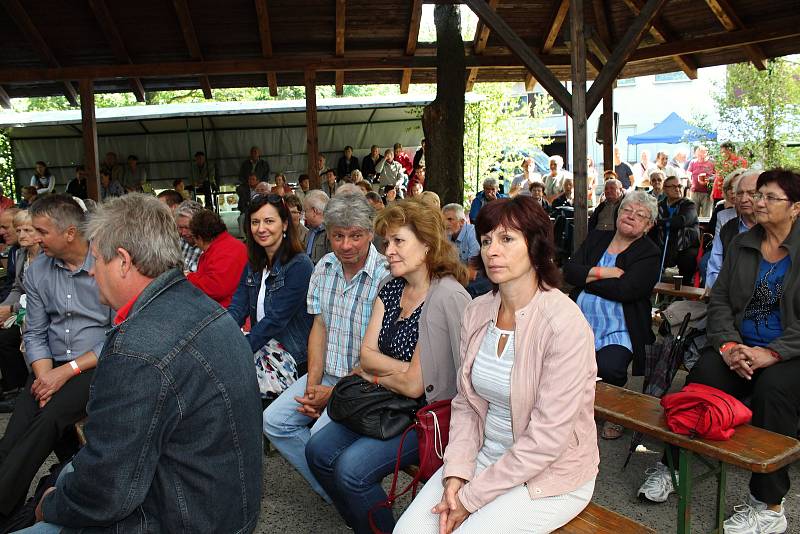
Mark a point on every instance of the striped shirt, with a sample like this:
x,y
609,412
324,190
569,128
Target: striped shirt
x,y
345,306
605,316
491,378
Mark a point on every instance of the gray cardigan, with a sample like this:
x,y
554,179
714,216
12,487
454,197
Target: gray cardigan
x,y
440,337
17,290
734,288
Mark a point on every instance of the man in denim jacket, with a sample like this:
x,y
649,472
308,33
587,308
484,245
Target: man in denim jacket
x,y
173,442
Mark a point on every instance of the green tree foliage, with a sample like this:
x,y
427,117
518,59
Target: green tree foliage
x,y
760,111
6,165
496,128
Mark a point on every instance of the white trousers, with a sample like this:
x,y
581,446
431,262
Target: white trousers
x,y
511,512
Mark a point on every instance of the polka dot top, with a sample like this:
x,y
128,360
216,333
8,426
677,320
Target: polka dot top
x,y
398,337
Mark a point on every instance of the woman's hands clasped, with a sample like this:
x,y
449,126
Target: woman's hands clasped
x,y
744,360
451,512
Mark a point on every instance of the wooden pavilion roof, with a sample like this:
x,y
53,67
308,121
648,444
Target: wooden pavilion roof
x,y
152,45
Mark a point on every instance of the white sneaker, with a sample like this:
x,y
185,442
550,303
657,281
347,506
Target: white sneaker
x,y
658,485
755,518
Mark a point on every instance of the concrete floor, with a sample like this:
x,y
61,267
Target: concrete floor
x,y
288,506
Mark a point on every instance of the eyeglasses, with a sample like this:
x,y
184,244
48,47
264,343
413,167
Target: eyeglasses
x,y
769,199
751,193
639,215
674,186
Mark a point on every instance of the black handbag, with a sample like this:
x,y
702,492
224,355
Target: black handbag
x,y
370,409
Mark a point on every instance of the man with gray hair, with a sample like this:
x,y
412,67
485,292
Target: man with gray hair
x,y
316,241
604,216
742,221
341,292
172,436
460,232
491,191
66,329
183,216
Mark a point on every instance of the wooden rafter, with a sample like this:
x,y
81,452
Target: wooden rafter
x,y
662,34
731,21
190,38
411,42
112,35
556,21
531,61
622,53
601,21
391,59
597,45
341,21
479,45
530,83
5,101
265,35
24,22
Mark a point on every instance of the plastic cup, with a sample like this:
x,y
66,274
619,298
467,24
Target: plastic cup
x,y
677,282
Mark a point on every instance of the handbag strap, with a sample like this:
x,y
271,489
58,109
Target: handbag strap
x,y
393,495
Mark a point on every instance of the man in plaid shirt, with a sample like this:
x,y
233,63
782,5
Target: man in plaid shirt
x,y
341,292
183,216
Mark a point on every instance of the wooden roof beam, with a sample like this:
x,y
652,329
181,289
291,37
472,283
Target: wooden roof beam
x,y
661,34
24,22
341,20
190,38
622,53
5,100
530,83
601,21
479,45
265,35
411,43
112,35
731,21
556,21
531,61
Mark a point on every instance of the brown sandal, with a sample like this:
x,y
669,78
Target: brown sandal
x,y
612,431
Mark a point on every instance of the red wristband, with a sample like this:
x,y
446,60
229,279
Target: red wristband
x,y
727,346
75,369
775,355
375,380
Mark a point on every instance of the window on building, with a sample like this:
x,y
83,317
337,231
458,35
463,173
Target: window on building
x,y
670,77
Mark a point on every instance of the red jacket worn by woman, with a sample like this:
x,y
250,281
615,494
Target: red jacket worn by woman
x,y
220,268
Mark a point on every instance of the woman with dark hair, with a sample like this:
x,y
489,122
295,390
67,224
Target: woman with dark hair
x,y
411,347
272,293
223,259
523,446
613,275
753,334
677,229
42,179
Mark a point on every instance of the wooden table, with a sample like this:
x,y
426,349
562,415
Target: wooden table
x,y
687,292
751,448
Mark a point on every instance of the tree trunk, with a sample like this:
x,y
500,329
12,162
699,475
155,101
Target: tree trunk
x,y
443,119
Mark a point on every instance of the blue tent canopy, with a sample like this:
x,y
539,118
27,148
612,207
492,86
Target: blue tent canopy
x,y
671,130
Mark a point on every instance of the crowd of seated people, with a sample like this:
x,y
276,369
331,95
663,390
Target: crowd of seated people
x,y
344,280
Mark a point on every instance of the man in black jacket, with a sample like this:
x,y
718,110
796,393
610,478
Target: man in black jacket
x,y
604,216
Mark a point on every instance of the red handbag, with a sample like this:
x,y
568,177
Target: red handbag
x,y
703,411
432,425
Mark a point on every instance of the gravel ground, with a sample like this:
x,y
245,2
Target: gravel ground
x,y
288,506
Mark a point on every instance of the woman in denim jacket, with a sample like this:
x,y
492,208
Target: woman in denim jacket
x,y
272,293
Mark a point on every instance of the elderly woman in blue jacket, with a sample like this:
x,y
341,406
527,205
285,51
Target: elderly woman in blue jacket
x,y
272,293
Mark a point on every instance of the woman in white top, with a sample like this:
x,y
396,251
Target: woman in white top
x,y
42,179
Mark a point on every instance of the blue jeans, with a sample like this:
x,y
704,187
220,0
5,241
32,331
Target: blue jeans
x,y
350,467
43,527
288,430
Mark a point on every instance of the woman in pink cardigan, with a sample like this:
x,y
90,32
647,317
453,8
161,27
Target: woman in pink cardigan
x,y
523,451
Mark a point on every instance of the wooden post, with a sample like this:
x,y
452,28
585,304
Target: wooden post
x,y
608,130
89,125
579,131
312,140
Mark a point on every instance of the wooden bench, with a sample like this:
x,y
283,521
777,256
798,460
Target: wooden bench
x,y
751,448
687,292
598,520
